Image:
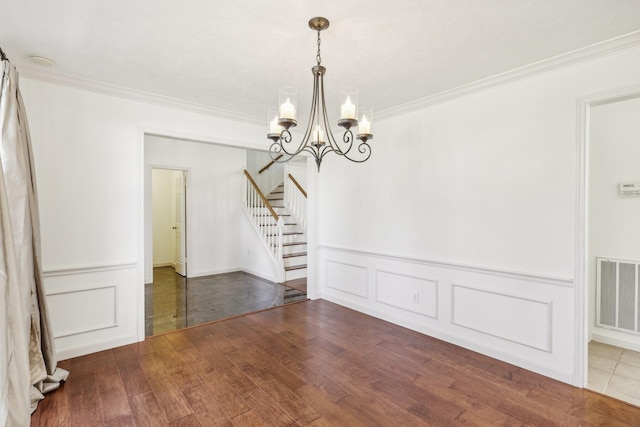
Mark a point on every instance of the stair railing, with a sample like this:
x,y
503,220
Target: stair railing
x,y
266,220
268,165
296,201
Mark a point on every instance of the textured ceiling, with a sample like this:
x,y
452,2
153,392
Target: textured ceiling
x,y
235,54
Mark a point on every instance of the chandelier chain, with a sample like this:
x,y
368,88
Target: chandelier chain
x,y
318,58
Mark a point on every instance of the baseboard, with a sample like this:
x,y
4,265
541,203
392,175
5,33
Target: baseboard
x,y
617,338
259,274
214,272
489,351
93,347
163,264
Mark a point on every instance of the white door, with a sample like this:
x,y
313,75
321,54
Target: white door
x,y
180,224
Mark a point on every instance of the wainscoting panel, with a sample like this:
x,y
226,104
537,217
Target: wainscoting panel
x,y
104,301
97,309
522,318
348,278
416,294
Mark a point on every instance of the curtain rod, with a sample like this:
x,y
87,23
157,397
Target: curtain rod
x,y
2,55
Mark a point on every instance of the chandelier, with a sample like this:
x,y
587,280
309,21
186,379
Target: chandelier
x,y
318,138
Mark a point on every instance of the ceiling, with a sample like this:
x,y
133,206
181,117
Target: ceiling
x,y
233,55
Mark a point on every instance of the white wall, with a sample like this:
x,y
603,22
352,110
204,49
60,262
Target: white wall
x,y
463,222
163,213
270,178
214,200
298,169
88,151
614,157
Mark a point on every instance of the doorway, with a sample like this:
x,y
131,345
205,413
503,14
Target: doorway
x,y
612,247
165,296
169,203
226,277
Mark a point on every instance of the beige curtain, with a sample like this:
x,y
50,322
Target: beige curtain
x,y
27,353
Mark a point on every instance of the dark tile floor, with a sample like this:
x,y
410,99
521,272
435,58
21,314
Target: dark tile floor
x,y
175,302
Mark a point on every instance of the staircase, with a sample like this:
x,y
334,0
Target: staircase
x,y
294,239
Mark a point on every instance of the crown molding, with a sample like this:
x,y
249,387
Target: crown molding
x,y
131,94
607,47
593,51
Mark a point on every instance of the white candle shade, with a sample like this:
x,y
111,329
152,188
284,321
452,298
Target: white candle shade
x,y
348,110
364,126
318,135
287,110
274,127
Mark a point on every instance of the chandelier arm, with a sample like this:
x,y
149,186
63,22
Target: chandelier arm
x,y
347,138
363,148
308,132
325,118
280,146
279,157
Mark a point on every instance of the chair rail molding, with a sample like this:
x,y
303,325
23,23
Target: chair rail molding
x,y
495,271
93,268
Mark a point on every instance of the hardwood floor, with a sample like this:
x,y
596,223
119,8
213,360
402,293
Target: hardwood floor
x,y
312,363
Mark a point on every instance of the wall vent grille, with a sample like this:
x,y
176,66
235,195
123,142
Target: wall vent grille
x,y
618,302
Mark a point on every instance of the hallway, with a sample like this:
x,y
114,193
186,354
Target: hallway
x,y
174,302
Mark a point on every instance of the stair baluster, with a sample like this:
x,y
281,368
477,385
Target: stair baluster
x,y
296,201
269,224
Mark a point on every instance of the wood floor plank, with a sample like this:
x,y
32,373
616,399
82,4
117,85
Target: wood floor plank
x,y
312,364
528,411
205,407
188,421
268,409
112,394
275,368
316,378
331,412
287,399
474,408
146,410
230,401
134,380
169,397
249,418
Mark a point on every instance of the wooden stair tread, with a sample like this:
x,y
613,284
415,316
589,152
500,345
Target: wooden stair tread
x,y
288,233
295,267
294,255
294,243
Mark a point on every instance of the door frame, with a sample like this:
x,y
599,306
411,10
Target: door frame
x,y
187,202
581,285
312,218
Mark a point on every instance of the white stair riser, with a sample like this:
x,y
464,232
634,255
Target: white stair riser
x,y
293,249
295,260
288,228
294,238
295,274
